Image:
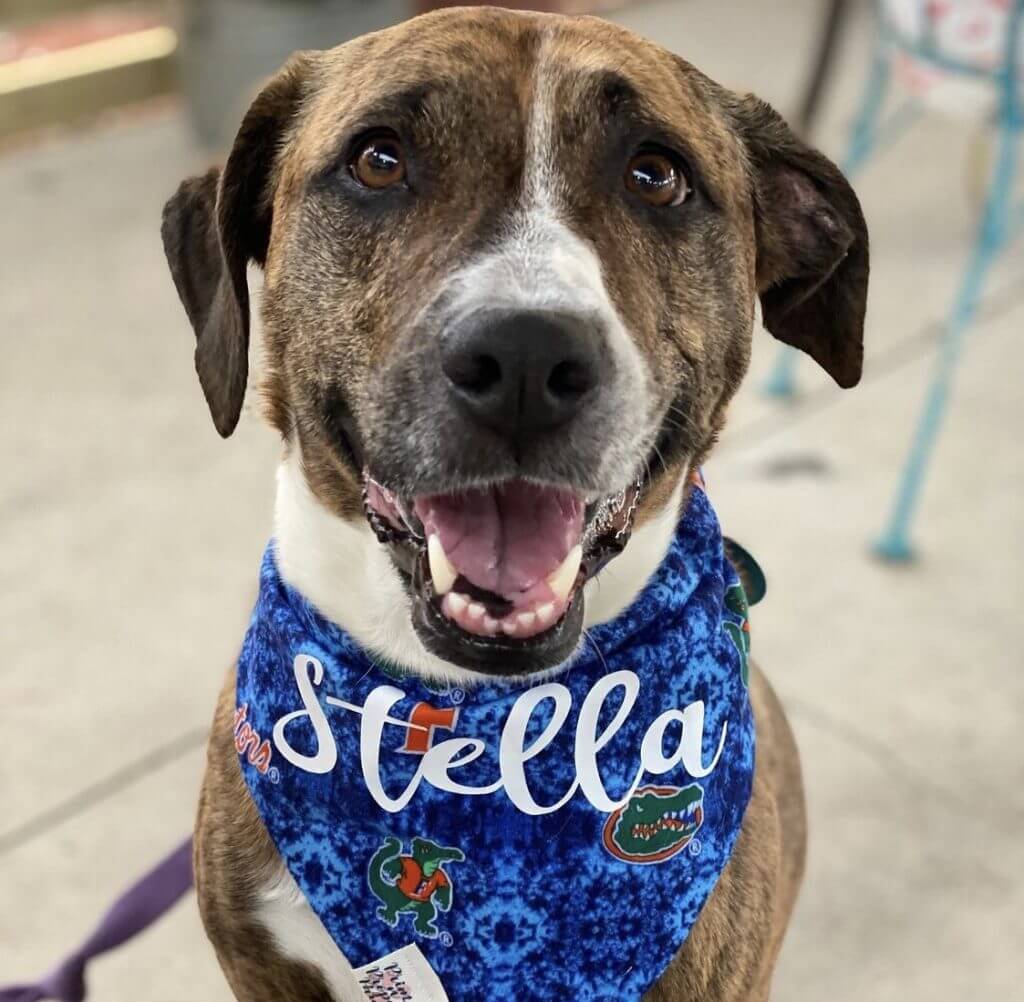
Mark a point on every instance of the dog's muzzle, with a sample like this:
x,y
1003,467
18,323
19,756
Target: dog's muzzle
x,y
496,568
489,478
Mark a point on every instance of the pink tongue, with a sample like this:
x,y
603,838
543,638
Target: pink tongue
x,y
504,539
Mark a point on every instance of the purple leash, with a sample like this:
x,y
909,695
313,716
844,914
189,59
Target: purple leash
x,y
141,905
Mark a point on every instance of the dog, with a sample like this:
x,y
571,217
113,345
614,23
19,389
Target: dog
x,y
513,253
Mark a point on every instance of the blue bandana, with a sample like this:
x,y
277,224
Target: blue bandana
x,y
537,840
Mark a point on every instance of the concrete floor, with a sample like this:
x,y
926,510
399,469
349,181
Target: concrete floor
x,y
131,536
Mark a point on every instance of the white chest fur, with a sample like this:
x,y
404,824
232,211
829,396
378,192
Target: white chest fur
x,y
299,935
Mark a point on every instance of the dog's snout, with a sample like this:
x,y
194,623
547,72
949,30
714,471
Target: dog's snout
x,y
522,373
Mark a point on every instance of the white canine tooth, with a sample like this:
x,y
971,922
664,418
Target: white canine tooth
x,y
441,569
509,626
490,624
457,603
546,613
526,620
475,610
564,578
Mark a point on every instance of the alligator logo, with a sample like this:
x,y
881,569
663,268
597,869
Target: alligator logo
x,y
739,633
657,823
417,883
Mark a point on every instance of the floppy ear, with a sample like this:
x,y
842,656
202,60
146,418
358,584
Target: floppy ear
x,y
812,244
213,226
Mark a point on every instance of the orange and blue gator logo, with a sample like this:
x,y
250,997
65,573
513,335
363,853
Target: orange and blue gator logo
x,y
657,823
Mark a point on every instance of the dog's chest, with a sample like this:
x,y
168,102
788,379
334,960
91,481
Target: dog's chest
x,y
301,937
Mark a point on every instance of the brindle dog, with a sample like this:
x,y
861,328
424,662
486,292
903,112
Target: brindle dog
x,y
420,199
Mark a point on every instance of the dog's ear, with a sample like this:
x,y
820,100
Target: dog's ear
x,y
812,244
214,225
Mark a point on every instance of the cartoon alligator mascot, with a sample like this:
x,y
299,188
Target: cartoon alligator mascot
x,y
657,823
416,883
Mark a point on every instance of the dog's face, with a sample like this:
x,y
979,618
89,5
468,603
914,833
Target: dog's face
x,y
511,266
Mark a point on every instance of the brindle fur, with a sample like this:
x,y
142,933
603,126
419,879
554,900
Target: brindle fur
x,y
233,857
346,340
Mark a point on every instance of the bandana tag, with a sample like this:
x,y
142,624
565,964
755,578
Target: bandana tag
x,y
402,976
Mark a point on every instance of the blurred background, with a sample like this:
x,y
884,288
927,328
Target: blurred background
x,y
130,533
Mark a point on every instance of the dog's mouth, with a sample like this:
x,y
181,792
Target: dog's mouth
x,y
496,573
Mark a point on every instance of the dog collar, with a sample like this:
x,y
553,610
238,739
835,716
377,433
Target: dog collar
x,y
533,840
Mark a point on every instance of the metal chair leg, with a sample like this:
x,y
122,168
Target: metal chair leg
x,y
993,234
831,30
782,380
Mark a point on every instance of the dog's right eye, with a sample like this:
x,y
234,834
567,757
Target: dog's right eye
x,y
379,162
657,178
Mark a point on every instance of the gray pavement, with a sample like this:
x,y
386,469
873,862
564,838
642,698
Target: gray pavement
x,y
131,536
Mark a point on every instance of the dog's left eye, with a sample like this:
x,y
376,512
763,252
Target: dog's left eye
x,y
656,178
379,162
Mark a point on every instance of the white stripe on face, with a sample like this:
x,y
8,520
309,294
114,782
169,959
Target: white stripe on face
x,y
541,263
539,175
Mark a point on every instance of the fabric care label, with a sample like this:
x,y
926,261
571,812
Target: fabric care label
x,y
402,976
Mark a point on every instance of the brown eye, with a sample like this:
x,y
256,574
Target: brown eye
x,y
656,179
379,163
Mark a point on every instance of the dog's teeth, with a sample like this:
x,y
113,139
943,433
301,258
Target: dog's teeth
x,y
475,610
490,624
564,578
546,613
526,620
457,603
441,570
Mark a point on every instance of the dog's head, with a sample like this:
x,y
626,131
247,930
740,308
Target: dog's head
x,y
511,266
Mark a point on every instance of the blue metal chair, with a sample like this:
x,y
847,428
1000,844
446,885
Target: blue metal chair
x,y
999,220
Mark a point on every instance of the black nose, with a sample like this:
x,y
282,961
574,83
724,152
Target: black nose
x,y
522,373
